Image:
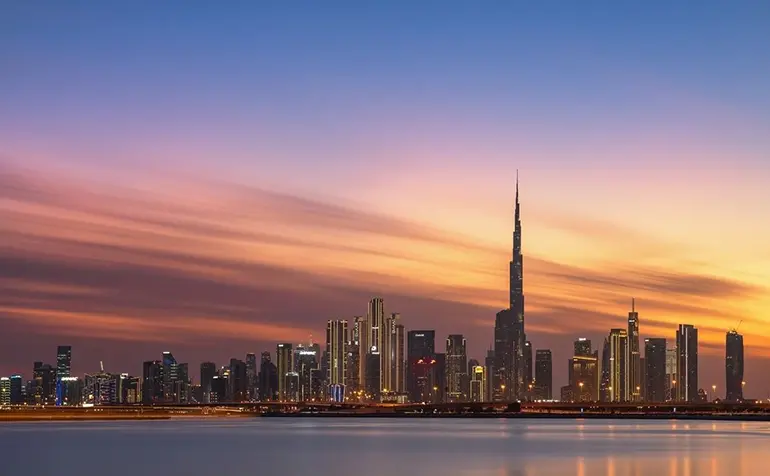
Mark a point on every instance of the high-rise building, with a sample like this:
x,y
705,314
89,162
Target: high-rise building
x,y
129,389
375,363
337,358
208,371
634,364
543,375
17,390
69,392
44,383
509,325
687,363
361,338
238,382
170,377
478,384
583,347
308,369
268,379
619,384
152,381
456,365
528,368
734,366
251,376
63,361
655,369
584,377
604,384
284,362
421,365
393,354
671,364
5,391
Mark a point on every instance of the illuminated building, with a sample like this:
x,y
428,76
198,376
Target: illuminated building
x,y
129,389
361,339
218,388
375,362
528,368
634,363
337,358
5,391
284,362
100,389
44,384
584,378
456,365
478,384
292,387
671,363
734,366
655,369
687,363
583,347
69,391
63,361
543,375
393,353
208,371
170,378
604,384
619,385
152,382
306,365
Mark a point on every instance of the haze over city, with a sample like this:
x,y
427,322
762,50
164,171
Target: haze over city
x,y
213,182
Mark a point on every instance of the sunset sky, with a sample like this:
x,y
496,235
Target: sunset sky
x,y
212,179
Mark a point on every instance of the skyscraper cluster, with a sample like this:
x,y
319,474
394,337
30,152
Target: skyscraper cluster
x,y
371,358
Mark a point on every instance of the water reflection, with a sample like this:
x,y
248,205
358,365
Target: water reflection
x,y
373,447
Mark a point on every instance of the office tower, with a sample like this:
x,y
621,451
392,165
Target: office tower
x,y
337,358
17,390
219,387
251,376
268,379
129,390
361,333
284,362
5,391
44,377
734,367
619,384
421,365
208,371
643,379
100,388
152,382
63,361
604,384
687,363
528,369
398,374
69,392
543,375
582,347
634,364
584,377
478,384
375,363
170,377
655,370
671,378
489,372
439,391
238,381
456,365
393,352
307,368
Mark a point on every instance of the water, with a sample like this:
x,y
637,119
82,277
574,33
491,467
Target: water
x,y
373,447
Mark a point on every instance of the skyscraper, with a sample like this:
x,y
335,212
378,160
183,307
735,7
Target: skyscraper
x,y
5,391
170,377
361,338
584,377
421,365
478,384
456,365
268,379
604,383
528,369
655,369
734,367
543,375
307,366
337,352
238,383
375,363
63,361
208,371
671,377
17,393
284,358
634,365
619,385
251,376
489,371
393,354
509,324
582,347
687,363
152,382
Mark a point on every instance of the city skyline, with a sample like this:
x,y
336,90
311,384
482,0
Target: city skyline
x,y
269,193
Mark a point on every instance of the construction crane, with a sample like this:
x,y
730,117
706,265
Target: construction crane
x,y
735,329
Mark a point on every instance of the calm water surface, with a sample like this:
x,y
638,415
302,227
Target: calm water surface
x,y
373,447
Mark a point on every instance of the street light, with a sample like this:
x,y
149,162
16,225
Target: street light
x,y
714,391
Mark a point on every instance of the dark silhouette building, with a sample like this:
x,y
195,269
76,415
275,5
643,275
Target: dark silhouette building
x,y
687,363
268,379
633,357
63,361
582,347
208,371
152,382
251,376
421,365
655,370
44,384
734,366
238,383
528,368
543,375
